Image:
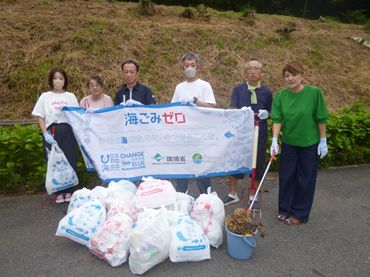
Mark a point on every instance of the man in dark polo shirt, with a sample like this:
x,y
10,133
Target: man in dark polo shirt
x,y
259,98
132,92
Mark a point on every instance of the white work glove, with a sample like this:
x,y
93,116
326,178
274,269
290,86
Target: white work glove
x,y
131,102
246,108
48,138
322,148
274,146
263,114
186,99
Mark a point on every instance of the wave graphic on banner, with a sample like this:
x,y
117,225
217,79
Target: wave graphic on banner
x,y
164,141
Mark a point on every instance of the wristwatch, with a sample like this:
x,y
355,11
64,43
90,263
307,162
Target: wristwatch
x,y
195,99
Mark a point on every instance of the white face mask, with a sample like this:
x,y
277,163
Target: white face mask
x,y
58,84
190,72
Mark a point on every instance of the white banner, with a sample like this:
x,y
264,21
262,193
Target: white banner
x,y
164,141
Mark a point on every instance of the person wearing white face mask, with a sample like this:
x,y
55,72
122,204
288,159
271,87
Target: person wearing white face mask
x,y
53,122
193,89
198,92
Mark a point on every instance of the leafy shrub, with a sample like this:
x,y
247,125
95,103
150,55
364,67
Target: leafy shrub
x,y
203,13
348,135
22,161
248,11
356,16
188,13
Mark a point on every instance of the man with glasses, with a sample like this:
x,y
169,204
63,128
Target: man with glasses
x,y
259,98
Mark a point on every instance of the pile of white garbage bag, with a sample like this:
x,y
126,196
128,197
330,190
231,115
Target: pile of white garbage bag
x,y
144,225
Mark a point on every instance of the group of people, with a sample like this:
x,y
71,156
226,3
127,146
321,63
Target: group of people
x,y
298,112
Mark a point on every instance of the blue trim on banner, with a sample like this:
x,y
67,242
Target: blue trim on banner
x,y
119,107
74,109
182,176
89,169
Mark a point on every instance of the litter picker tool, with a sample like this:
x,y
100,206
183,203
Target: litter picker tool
x,y
252,188
259,187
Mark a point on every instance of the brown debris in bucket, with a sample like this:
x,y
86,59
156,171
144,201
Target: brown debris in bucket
x,y
240,223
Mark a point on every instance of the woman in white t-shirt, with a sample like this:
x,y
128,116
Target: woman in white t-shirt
x,y
53,122
97,99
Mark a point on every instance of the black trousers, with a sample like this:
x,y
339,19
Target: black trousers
x,y
297,180
66,140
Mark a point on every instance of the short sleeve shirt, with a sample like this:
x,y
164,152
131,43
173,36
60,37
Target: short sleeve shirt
x,y
199,88
300,114
103,102
49,106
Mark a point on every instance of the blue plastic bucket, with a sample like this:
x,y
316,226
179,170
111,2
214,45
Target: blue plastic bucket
x,y
240,247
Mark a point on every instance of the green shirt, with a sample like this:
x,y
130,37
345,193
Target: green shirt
x,y
300,113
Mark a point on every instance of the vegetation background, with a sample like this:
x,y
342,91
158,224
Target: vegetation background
x,y
94,37
350,11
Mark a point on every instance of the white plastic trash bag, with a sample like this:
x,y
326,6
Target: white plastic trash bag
x,y
127,208
116,195
154,193
184,203
188,242
99,193
60,175
112,241
79,198
83,223
123,184
209,213
149,241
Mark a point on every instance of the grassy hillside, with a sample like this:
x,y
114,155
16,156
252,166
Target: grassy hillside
x,y
94,37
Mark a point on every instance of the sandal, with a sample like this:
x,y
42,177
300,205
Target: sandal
x,y
282,217
291,221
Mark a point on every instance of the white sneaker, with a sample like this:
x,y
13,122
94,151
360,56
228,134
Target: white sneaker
x,y
230,199
251,199
59,199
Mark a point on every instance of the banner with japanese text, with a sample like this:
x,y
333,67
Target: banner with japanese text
x,y
164,141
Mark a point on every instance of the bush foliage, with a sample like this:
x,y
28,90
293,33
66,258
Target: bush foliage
x,y
23,166
22,161
348,133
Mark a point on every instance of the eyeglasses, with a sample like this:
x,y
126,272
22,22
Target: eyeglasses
x,y
94,86
252,68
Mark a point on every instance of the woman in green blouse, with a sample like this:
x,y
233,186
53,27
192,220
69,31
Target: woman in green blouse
x,y
299,112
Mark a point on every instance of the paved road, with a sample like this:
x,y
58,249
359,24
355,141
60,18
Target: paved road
x,y
335,242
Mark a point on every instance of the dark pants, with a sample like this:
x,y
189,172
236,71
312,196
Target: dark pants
x,y
66,140
203,185
297,180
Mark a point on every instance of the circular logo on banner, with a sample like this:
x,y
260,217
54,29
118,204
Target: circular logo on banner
x,y
197,158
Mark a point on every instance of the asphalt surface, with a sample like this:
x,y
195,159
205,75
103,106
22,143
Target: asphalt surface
x,y
335,242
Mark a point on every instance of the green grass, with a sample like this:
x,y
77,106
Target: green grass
x,y
220,44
